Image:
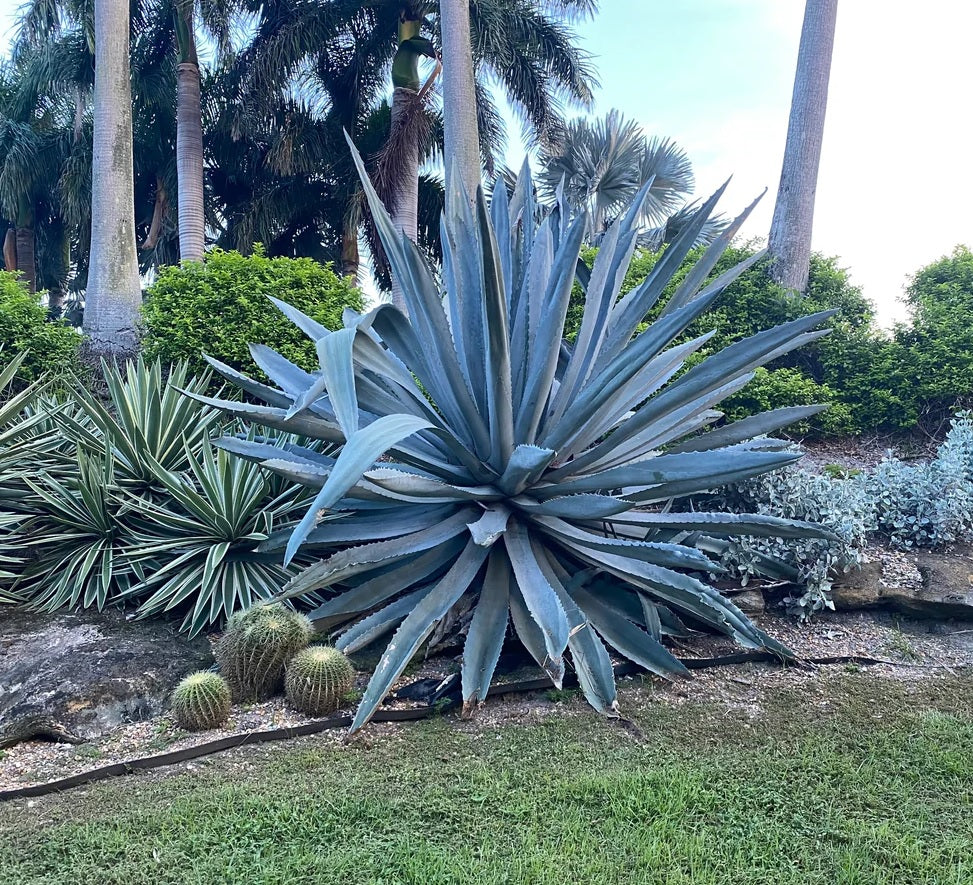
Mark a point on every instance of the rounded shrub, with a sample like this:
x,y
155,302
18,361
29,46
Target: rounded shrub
x,y
221,305
940,358
255,647
24,326
201,701
779,388
317,678
857,369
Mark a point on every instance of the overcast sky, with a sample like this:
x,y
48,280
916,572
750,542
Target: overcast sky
x,y
896,187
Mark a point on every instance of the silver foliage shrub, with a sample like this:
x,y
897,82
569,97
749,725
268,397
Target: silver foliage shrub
x,y
907,506
930,504
841,505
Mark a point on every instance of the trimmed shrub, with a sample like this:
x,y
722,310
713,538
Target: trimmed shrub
x,y
220,306
938,342
776,388
24,326
854,364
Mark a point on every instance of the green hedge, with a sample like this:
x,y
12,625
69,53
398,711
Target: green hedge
x,y
24,326
916,376
220,305
939,341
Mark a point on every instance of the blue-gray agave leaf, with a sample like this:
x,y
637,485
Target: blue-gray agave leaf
x,y
489,464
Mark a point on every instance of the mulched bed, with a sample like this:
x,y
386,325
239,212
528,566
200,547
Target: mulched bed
x,y
909,650
861,452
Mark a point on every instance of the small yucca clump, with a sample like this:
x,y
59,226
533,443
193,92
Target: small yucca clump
x,y
201,701
257,644
317,678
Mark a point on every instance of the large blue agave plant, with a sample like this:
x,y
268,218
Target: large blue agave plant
x,y
489,466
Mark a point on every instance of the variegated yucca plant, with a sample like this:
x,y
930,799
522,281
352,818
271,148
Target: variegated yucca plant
x,y
490,468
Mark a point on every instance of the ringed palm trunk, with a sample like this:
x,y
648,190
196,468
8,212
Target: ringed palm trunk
x,y
25,241
114,294
400,160
790,230
189,143
405,199
350,257
461,136
26,259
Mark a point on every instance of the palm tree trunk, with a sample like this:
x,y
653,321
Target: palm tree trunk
x,y
114,293
10,249
189,144
790,230
461,136
57,294
405,200
350,257
159,211
26,257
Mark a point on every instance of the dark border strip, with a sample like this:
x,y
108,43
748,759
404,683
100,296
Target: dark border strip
x,y
447,701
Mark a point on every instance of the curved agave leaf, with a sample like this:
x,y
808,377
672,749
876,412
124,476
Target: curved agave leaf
x,y
473,433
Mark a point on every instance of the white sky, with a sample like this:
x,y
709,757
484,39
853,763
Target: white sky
x,y
895,189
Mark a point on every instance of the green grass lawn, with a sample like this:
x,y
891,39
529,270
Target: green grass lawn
x,y
873,786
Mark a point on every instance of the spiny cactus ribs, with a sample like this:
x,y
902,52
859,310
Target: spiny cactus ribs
x,y
201,701
317,678
256,646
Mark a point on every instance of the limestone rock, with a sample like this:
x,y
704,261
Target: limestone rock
x,y
750,602
943,588
78,675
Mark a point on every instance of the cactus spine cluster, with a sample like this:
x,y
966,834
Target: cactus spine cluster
x,y
317,678
201,701
255,647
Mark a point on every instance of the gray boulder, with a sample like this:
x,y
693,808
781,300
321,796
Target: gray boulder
x,y
943,589
74,676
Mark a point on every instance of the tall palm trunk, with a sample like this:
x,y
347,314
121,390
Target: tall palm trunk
x,y
461,136
405,198
350,257
114,293
189,142
399,162
57,293
26,243
26,262
790,230
10,249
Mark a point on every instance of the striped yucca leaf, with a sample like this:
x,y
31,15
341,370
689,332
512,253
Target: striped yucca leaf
x,y
149,422
196,549
486,462
20,425
75,544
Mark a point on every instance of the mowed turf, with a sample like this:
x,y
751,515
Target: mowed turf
x,y
868,781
